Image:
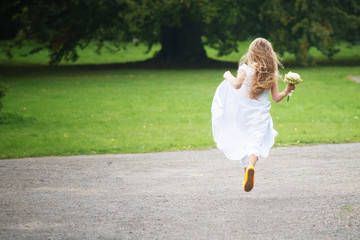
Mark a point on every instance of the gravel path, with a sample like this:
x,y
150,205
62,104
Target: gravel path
x,y
310,192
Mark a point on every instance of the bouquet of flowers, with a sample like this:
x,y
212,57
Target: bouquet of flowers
x,y
292,78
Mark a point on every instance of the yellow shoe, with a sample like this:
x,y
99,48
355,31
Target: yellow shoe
x,y
249,179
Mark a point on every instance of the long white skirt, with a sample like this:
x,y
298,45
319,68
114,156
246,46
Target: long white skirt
x,y
241,126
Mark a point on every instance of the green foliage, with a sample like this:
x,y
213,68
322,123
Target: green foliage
x,y
297,25
62,26
225,23
293,26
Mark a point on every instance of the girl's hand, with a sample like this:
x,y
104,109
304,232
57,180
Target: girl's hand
x,y
235,82
227,75
290,87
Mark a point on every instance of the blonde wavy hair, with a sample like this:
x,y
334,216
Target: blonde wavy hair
x,y
264,60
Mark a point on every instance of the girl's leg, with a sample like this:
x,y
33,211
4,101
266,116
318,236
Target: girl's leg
x,y
252,160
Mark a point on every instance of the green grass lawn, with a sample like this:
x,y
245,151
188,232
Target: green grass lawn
x,y
70,111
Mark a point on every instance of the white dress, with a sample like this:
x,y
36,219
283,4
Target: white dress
x,y
242,126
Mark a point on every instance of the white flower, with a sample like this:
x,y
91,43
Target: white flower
x,y
292,78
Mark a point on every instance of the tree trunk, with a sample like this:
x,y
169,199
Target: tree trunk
x,y
182,44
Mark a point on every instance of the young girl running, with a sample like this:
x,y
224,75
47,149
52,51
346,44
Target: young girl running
x,y
241,122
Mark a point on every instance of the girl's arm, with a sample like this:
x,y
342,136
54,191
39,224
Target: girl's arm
x,y
278,96
235,82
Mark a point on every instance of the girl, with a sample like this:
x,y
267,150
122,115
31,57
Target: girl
x,y
241,122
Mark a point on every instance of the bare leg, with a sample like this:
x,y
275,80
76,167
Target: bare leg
x,y
252,160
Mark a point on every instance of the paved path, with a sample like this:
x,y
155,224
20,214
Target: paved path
x,y
308,192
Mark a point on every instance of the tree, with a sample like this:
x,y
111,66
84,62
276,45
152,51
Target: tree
x,y
182,27
297,25
7,26
61,26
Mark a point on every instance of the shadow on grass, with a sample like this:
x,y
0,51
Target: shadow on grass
x,y
152,64
14,118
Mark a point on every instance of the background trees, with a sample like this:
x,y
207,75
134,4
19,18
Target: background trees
x,y
61,26
297,25
182,27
